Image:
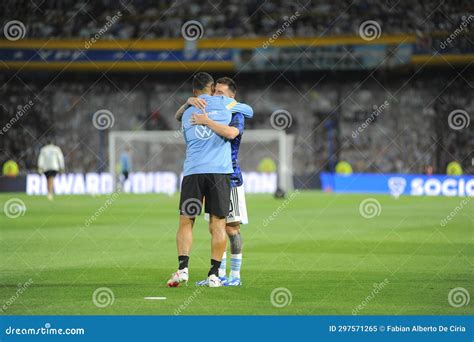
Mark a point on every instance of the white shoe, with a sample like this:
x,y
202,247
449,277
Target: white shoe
x,y
180,276
205,282
50,197
214,281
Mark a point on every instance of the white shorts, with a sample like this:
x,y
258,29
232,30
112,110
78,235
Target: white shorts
x,y
238,207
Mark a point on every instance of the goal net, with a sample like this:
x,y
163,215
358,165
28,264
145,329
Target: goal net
x,y
157,157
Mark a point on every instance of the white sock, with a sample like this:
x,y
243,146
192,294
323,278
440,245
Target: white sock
x,y
235,264
222,268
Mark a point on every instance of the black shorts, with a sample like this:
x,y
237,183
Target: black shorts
x,y
50,173
213,188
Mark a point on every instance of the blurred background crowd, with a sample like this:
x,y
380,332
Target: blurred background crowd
x,y
409,135
152,19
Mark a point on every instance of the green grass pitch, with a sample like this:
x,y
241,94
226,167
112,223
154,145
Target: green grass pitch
x,y
318,247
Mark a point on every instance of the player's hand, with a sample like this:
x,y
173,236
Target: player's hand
x,y
197,102
199,119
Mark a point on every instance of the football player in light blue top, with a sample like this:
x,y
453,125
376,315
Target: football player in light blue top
x,y
207,170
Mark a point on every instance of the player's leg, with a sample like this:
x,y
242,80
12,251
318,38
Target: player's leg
x,y
231,217
190,206
235,239
217,238
184,240
124,178
237,216
222,267
50,183
218,243
217,205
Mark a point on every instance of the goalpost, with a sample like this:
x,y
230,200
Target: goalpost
x,y
164,151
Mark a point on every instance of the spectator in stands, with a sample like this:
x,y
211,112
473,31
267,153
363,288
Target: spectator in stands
x,y
267,165
151,19
10,168
343,168
454,169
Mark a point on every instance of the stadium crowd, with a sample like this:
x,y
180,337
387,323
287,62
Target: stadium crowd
x,y
150,19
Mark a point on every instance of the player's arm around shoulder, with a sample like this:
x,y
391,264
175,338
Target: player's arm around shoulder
x,y
244,109
237,107
192,101
225,131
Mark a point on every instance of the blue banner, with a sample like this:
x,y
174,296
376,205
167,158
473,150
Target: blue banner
x,y
107,55
334,57
399,184
237,328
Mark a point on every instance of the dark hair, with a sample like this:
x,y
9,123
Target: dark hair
x,y
228,82
201,80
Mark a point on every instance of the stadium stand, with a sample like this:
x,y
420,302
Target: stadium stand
x,y
147,19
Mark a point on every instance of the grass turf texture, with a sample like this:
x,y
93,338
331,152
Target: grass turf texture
x,y
318,246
